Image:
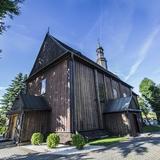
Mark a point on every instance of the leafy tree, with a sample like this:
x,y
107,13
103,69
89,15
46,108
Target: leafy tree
x,y
151,93
17,86
144,106
8,8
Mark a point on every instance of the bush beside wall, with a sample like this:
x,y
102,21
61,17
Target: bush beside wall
x,y
53,140
78,141
37,138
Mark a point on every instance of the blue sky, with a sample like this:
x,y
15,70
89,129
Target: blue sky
x,y
129,31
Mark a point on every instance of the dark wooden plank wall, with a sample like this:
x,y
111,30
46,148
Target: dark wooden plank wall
x,y
35,121
88,85
116,123
102,97
120,88
132,122
124,89
108,88
85,98
57,95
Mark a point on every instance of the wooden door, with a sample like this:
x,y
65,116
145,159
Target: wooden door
x,y
136,125
14,124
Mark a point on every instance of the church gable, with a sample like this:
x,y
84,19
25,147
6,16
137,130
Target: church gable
x,y
49,51
133,105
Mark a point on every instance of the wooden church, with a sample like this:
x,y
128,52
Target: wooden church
x,y
69,93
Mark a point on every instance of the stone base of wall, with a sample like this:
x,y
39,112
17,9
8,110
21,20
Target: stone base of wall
x,y
65,137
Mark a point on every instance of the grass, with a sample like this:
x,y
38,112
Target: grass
x,y
108,141
151,128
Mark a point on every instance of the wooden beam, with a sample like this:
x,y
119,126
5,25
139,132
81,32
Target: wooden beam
x,y
98,98
72,95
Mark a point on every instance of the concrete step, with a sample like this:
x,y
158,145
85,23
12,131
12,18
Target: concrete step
x,y
4,143
95,134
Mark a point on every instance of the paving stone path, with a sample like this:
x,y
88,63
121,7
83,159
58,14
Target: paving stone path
x,y
145,147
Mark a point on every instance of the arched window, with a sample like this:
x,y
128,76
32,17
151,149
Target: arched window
x,y
115,94
124,95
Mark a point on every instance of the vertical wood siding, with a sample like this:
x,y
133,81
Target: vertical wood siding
x,y
57,94
35,121
85,103
133,124
108,88
116,123
125,90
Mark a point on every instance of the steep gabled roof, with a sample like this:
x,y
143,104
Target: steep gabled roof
x,y
120,105
52,49
29,103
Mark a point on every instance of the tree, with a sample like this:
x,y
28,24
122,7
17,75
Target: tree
x,y
8,8
18,85
145,107
151,93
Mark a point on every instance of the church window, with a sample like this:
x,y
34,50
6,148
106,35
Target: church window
x,y
43,86
124,95
115,94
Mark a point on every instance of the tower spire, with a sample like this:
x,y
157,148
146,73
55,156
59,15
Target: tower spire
x,y
101,60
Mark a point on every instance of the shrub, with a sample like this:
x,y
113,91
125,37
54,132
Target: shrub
x,y
53,140
78,141
37,138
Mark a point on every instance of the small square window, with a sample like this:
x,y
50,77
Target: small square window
x,y
43,86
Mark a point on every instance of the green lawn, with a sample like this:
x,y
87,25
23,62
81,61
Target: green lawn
x,y
107,141
151,128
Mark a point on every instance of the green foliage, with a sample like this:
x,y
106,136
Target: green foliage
x,y
144,106
108,141
37,138
78,141
151,128
151,94
3,120
13,91
8,98
8,8
53,140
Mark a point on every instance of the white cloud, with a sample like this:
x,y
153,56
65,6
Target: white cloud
x,y
143,52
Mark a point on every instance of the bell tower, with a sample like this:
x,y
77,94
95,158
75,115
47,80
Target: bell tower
x,y
101,60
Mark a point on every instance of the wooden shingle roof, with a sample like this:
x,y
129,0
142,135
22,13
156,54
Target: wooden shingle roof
x,y
120,105
29,103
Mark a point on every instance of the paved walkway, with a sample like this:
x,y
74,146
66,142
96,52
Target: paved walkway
x,y
145,147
